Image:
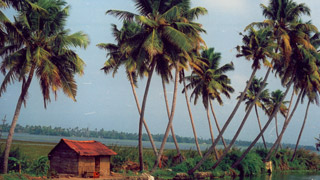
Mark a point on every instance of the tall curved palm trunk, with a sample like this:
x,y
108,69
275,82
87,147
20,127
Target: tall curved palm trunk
x,y
144,121
191,117
259,122
144,101
168,112
191,171
264,128
300,134
244,120
24,91
211,132
277,131
217,124
174,100
283,128
286,117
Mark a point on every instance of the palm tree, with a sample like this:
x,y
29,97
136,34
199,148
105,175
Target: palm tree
x,y
38,45
209,81
117,58
275,98
309,81
281,14
303,68
190,113
258,47
178,59
163,32
168,113
262,100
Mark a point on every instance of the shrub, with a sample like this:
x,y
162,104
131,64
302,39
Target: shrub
x,y
252,164
184,166
230,158
40,166
17,160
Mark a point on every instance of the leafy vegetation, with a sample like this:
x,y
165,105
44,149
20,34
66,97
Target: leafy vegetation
x,y
37,164
20,162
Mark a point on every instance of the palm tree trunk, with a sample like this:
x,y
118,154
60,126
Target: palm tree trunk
x,y
304,122
170,120
276,122
283,129
287,116
277,132
191,117
144,101
263,129
217,124
259,122
211,132
244,120
24,90
191,171
139,110
168,112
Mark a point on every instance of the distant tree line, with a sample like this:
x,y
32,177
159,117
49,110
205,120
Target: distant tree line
x,y
86,132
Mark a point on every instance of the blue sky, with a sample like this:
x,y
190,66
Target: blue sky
x,y
106,102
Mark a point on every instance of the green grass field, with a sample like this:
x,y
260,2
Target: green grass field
x,y
33,150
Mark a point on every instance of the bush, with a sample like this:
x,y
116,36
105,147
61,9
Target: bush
x,y
252,164
230,158
185,166
17,160
262,152
40,166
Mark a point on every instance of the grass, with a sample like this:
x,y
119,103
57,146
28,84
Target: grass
x,y
33,150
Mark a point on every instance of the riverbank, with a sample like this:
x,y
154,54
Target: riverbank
x,y
33,160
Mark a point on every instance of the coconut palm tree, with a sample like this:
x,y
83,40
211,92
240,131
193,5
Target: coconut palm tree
x,y
281,14
38,45
258,46
309,81
302,70
275,98
190,113
300,134
262,100
117,58
163,33
210,81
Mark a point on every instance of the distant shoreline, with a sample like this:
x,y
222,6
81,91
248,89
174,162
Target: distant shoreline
x,y
120,142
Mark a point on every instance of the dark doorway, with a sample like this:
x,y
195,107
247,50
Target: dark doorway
x,y
97,164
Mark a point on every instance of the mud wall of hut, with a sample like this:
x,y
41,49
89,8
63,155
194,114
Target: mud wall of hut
x,y
86,165
64,160
105,165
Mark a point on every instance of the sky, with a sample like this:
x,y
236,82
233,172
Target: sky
x,y
107,102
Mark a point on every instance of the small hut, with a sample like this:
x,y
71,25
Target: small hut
x,y
80,158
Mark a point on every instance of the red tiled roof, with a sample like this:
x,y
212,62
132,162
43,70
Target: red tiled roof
x,y
89,148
